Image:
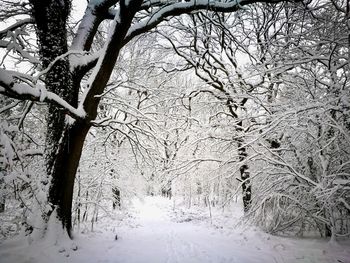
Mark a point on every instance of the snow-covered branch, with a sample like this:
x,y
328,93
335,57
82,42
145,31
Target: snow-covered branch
x,y
11,86
4,32
169,9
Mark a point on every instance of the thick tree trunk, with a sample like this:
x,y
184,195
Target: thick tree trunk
x,y
64,141
66,162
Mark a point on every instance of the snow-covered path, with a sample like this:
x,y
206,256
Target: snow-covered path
x,y
157,234
161,239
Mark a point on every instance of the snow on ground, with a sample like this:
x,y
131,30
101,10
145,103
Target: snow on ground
x,y
155,232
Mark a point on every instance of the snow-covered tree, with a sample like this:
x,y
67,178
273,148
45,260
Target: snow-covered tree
x,y
70,75
302,156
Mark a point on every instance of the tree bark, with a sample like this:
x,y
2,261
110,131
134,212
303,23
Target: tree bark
x,y
64,170
64,141
245,177
244,169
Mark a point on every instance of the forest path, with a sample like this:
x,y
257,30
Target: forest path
x,y
159,234
163,235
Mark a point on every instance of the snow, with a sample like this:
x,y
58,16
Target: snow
x,y
79,60
155,232
5,78
6,145
97,68
183,6
85,25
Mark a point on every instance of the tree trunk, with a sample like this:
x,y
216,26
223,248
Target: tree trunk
x,y
64,141
242,155
116,197
64,170
2,199
245,175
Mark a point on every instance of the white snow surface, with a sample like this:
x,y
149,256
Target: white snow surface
x,y
155,232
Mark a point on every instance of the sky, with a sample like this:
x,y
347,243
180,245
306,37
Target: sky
x,y
79,7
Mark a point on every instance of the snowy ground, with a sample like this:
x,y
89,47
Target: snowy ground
x,y
154,232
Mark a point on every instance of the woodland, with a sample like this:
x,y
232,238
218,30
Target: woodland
x,y
211,101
